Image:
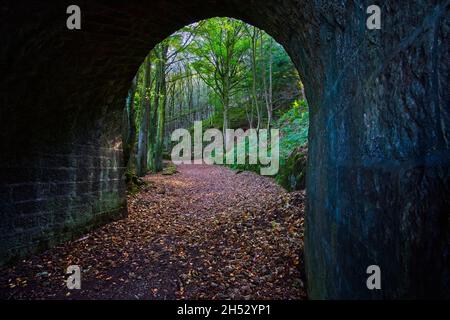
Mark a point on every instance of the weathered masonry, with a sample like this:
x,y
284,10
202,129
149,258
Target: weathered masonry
x,y
379,158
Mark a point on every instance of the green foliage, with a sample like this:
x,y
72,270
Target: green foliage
x,y
133,182
169,169
236,118
222,68
219,50
293,126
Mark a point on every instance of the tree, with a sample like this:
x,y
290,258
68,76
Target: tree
x,y
267,89
219,53
254,35
161,110
130,126
141,159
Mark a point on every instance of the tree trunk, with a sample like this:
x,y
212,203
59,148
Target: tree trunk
x,y
130,127
141,163
254,95
267,90
161,110
153,129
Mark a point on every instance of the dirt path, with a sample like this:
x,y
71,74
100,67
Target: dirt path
x,y
205,232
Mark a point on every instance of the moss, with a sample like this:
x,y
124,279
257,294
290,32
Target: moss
x,y
133,182
111,201
292,172
170,169
293,125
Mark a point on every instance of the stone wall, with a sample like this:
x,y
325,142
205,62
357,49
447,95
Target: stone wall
x,y
58,196
378,176
378,165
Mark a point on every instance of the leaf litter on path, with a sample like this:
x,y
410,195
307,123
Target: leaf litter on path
x,y
203,232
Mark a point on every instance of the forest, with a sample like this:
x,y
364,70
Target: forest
x,y
227,74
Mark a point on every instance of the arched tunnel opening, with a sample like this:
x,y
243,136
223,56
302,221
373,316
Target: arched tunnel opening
x,y
378,152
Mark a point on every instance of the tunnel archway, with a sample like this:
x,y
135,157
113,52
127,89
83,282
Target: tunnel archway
x,y
378,173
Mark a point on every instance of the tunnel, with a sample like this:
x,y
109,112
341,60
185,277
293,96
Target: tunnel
x,y
378,180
